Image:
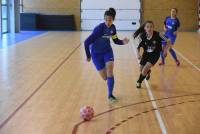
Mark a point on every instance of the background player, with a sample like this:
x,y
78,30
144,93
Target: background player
x,y
171,25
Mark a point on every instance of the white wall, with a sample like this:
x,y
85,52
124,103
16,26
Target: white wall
x,y
92,13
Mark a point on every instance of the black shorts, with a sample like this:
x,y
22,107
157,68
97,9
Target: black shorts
x,y
149,57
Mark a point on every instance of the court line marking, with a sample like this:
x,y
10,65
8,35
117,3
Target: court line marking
x,y
116,125
38,88
187,60
76,126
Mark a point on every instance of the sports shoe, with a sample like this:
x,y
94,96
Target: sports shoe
x,y
138,85
112,98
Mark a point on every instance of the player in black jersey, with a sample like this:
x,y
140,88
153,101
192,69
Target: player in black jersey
x,y
151,41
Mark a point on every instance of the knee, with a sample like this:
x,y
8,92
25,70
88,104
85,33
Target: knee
x,y
105,78
109,73
170,47
144,72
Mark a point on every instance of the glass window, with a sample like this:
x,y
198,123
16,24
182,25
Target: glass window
x,y
4,17
4,12
4,26
21,6
4,2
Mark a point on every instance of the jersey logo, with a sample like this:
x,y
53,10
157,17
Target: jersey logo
x,y
170,27
106,36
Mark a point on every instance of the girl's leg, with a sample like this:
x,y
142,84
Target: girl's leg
x,y
145,71
162,54
110,78
148,73
162,58
173,54
141,68
99,63
102,73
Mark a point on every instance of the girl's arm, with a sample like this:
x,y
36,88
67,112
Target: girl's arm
x,y
164,27
138,54
91,39
138,48
116,40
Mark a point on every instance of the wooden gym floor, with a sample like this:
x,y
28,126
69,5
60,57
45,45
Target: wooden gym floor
x,y
46,80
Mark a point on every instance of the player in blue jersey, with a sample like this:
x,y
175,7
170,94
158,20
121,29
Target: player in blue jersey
x,y
97,47
151,42
171,25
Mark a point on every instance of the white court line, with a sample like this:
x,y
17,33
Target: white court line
x,y
157,113
159,118
186,59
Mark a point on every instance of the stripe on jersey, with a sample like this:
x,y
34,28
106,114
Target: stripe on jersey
x,y
163,37
114,36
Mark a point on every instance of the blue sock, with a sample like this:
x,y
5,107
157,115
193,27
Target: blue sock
x,y
162,57
110,84
173,54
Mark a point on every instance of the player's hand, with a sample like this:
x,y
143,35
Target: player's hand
x,y
125,41
88,59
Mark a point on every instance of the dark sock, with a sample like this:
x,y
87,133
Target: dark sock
x,y
141,78
162,57
110,84
149,71
173,54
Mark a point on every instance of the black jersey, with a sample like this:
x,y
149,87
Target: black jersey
x,y
152,45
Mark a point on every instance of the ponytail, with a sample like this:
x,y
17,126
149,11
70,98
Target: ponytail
x,y
110,12
139,31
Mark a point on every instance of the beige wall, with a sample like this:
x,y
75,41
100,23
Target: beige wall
x,y
157,10
54,7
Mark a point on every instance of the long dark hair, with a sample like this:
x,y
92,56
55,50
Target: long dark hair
x,y
141,29
110,12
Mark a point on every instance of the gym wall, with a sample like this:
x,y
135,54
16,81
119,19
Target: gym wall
x,y
157,10
55,7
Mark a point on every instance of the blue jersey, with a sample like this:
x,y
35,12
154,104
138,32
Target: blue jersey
x,y
171,25
100,39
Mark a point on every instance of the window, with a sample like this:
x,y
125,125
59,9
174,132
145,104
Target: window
x,y
4,17
21,6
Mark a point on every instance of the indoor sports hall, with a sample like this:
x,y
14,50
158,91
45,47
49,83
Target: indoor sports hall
x,y
74,67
